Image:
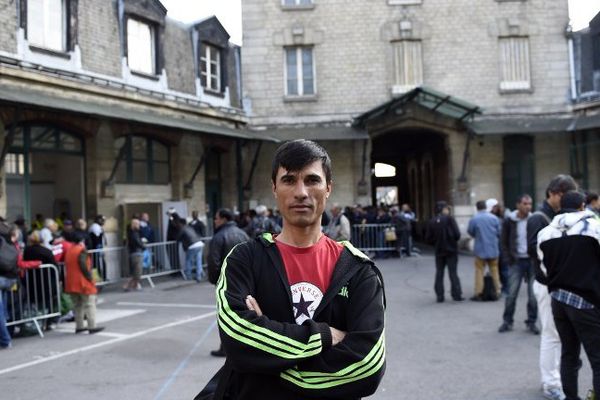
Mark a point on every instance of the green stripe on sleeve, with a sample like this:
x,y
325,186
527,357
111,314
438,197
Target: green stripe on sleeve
x,y
359,370
252,334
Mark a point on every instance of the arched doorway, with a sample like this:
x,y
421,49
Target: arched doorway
x,y
422,173
45,173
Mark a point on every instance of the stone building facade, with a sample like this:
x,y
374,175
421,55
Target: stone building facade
x,y
110,107
467,100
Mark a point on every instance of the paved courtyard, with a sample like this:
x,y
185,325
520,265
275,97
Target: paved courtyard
x,y
157,341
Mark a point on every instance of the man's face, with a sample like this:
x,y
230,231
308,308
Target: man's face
x,y
554,200
595,204
145,217
301,196
524,206
219,221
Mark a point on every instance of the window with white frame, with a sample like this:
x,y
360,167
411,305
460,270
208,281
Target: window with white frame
x,y
141,55
403,2
299,71
408,65
210,67
46,24
296,2
15,164
514,63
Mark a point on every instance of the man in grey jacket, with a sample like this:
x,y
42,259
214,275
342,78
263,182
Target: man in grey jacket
x,y
514,248
227,235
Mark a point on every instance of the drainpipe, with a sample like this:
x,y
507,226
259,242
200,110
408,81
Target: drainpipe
x,y
569,34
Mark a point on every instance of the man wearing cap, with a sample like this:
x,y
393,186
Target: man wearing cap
x,y
569,249
484,227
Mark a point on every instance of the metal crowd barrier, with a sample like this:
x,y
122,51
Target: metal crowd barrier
x,y
37,297
159,259
371,237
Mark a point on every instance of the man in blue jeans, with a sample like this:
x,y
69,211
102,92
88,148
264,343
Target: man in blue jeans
x,y
514,249
193,247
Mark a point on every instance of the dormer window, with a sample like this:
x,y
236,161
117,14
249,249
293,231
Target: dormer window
x,y
211,51
210,67
47,24
141,47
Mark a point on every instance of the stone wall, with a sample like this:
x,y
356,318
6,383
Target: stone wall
x,y
354,57
98,37
8,26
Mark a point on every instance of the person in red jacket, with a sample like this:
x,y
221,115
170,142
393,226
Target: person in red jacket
x,y
80,284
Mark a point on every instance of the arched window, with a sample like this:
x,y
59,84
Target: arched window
x,y
142,160
44,138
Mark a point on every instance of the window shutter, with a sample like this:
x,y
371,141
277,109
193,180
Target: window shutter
x,y
224,68
408,65
514,63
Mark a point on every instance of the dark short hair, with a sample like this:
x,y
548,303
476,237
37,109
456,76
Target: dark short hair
x,y
572,201
591,196
297,154
523,197
561,184
439,206
480,205
225,213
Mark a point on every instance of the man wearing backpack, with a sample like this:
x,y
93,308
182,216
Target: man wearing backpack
x,y
8,277
484,227
549,339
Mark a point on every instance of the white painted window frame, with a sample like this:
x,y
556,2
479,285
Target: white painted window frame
x,y
299,71
152,30
207,60
47,22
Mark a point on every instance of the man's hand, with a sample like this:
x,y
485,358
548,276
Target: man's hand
x,y
252,305
336,336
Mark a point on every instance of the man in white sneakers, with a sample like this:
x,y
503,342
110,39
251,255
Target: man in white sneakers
x,y
549,340
570,252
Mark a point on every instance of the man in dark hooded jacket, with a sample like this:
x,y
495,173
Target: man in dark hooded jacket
x,y
443,233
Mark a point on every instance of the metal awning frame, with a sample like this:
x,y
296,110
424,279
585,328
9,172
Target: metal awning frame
x,y
426,97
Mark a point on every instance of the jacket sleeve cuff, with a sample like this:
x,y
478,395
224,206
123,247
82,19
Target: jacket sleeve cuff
x,y
326,338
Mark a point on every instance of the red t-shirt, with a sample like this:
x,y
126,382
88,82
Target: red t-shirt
x,y
309,271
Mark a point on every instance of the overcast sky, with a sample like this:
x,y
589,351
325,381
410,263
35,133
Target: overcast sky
x,y
229,13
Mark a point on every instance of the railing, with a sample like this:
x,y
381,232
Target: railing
x,y
36,298
163,258
372,237
382,238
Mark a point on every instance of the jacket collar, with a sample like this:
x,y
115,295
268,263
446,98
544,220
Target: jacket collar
x,y
345,267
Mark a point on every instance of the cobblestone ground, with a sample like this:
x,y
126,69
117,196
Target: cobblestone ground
x,y
157,341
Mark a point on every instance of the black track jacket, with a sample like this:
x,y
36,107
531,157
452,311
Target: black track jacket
x,y
271,357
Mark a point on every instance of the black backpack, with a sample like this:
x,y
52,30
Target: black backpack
x,y
8,258
489,289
